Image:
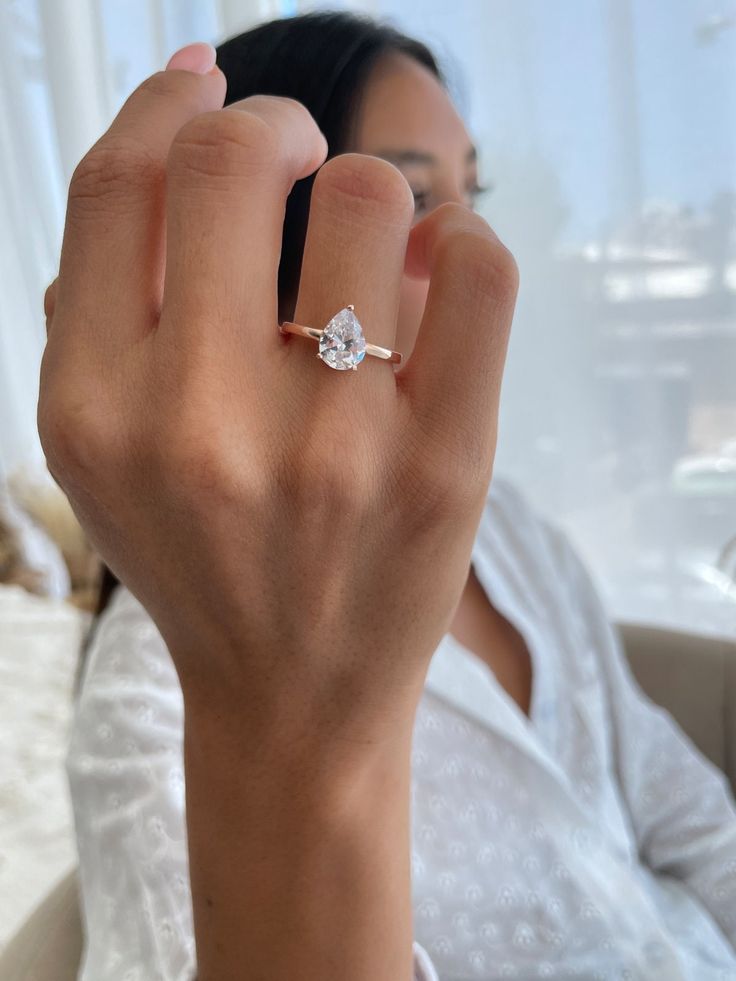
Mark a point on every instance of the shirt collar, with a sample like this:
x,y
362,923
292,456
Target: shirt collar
x,y
461,679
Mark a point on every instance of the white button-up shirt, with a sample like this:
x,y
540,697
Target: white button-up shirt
x,y
589,840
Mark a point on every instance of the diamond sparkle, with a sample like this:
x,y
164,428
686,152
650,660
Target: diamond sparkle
x,y
342,344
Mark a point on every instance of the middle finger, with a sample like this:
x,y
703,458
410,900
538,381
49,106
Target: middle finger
x,y
229,174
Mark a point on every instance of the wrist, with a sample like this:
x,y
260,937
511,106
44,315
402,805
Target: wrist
x,y
331,769
293,733
298,865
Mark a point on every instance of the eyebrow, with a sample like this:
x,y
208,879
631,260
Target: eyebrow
x,y
420,157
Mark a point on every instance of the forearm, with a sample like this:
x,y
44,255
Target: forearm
x,y
298,868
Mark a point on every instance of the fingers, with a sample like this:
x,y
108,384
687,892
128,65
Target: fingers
x,y
360,215
453,378
229,174
112,256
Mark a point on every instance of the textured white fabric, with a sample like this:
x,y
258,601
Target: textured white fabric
x,y
39,647
590,840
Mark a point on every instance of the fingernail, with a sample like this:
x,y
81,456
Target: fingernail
x,y
198,57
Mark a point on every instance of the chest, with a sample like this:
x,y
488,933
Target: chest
x,y
503,846
491,636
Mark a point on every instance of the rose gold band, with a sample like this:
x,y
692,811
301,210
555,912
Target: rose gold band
x,y
378,352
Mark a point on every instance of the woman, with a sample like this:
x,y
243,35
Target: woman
x,y
562,826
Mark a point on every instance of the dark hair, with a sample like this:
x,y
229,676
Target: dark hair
x,y
323,60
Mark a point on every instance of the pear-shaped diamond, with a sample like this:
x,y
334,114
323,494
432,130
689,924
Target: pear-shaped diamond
x,y
342,344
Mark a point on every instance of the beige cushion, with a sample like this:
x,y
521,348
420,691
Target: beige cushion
x,y
692,676
48,947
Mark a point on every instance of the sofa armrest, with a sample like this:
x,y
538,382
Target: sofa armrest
x,y
49,944
694,678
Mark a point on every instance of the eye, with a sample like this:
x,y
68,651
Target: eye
x,y
479,189
420,199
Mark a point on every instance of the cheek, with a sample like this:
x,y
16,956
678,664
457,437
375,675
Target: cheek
x,y
411,306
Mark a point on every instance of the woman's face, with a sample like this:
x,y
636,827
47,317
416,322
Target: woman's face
x,y
407,118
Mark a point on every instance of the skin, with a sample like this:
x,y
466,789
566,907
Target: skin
x,y
301,580
404,108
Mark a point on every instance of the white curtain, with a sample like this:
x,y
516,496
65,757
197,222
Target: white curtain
x,y
66,66
608,129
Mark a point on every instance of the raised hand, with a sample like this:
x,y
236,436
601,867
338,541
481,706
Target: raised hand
x,y
300,535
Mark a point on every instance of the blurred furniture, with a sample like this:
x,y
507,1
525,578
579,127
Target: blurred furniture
x,y
40,642
48,947
694,677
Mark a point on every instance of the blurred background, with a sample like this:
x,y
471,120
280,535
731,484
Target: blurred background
x,y
608,131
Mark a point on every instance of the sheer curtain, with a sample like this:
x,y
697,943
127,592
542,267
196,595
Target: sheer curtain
x,y
66,66
607,129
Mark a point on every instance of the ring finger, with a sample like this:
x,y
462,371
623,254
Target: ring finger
x,y
360,216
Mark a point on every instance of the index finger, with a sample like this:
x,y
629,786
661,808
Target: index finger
x,y
112,256
229,175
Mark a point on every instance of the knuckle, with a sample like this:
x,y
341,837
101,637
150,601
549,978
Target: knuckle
x,y
194,464
78,424
224,144
262,105
110,172
438,478
444,494
369,184
323,484
482,263
73,442
164,84
318,485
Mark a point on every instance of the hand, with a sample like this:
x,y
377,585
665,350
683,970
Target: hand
x,y
300,536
